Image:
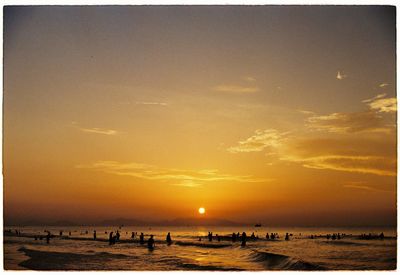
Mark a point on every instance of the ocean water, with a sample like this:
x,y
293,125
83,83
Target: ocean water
x,y
80,252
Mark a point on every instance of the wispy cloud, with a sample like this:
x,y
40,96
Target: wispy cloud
x,y
152,172
305,112
347,122
249,79
365,121
361,186
259,141
95,130
354,154
382,104
236,89
188,183
376,165
340,75
108,132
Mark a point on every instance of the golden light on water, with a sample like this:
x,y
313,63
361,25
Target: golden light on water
x,y
202,210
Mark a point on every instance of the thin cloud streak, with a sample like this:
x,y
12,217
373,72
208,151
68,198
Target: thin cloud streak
x,y
236,89
358,164
249,79
151,172
108,132
364,187
95,130
188,183
152,103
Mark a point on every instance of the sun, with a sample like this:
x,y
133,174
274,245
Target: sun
x,y
202,210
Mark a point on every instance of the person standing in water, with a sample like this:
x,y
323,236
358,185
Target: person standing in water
x,y
117,235
244,239
94,235
141,240
48,237
169,241
150,243
111,238
233,237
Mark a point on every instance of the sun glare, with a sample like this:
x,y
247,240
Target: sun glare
x,y
202,210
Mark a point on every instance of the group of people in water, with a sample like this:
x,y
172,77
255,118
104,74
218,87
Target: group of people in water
x,y
338,236
150,242
113,238
372,236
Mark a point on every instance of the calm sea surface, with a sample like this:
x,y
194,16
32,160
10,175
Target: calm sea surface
x,y
80,252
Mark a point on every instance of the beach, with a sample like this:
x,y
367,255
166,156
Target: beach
x,y
79,251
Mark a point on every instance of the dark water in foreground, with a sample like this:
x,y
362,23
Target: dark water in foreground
x,y
80,252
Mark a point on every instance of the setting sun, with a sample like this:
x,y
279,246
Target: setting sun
x,y
202,210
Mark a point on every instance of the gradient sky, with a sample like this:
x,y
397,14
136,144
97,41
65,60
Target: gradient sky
x,y
275,114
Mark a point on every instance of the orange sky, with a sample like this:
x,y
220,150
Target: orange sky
x,y
280,115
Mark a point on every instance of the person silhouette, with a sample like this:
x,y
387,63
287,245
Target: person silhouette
x,y
168,239
267,236
150,243
94,235
287,237
210,235
233,237
244,239
141,240
48,237
117,235
111,238
133,235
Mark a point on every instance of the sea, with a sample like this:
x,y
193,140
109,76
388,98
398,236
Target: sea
x,y
192,251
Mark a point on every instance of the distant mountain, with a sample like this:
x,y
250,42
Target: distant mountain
x,y
201,221
40,223
122,221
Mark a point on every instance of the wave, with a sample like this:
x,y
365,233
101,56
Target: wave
x,y
192,266
281,262
51,260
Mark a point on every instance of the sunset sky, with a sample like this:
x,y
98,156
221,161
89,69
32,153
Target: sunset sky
x,y
272,114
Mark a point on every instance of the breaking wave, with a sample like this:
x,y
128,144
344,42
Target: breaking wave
x,y
281,262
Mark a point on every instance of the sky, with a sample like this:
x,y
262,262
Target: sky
x,y
284,115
